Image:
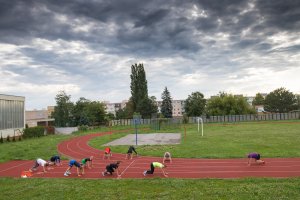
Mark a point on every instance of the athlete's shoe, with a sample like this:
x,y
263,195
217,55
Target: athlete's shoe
x,y
145,172
103,174
65,174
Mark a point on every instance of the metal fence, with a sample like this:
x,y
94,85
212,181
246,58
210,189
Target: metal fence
x,y
221,119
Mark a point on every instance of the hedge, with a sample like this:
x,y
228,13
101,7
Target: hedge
x,y
37,131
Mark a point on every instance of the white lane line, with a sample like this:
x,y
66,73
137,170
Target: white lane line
x,y
127,167
15,166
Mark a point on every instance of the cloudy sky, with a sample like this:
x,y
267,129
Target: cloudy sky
x,y
86,48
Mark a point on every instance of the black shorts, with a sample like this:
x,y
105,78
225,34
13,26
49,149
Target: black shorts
x,y
77,164
109,169
258,157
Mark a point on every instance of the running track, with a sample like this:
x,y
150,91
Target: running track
x,y
78,148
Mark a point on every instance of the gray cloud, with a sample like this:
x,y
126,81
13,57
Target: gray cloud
x,y
79,44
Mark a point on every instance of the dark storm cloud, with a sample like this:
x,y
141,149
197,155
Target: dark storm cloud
x,y
282,14
157,26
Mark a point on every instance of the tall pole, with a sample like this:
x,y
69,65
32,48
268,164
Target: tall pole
x,y
135,125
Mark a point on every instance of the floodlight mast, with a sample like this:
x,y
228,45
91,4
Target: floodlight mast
x,y
199,119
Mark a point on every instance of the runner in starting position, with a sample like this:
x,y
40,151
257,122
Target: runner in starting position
x,y
130,152
254,157
111,168
40,162
154,165
80,169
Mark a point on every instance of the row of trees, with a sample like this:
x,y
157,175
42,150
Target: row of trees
x,y
279,100
83,112
86,112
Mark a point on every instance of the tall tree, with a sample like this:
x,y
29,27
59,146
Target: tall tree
x,y
280,101
63,110
138,86
166,105
140,102
227,104
195,104
258,100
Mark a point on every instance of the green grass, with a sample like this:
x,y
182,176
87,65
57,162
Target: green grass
x,y
42,147
150,189
272,139
219,141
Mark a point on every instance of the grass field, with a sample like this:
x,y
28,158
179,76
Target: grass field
x,y
219,141
150,189
273,139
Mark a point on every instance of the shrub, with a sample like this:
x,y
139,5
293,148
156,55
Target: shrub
x,y
1,139
37,131
14,138
7,138
83,128
185,119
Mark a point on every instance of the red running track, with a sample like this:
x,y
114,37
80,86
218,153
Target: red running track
x,y
78,148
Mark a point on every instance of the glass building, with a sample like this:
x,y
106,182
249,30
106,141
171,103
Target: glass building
x,y
12,114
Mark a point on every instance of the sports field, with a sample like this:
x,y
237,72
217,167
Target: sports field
x,y
272,140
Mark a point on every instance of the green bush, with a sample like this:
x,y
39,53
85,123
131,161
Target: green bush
x,y
1,139
14,138
37,131
83,128
7,138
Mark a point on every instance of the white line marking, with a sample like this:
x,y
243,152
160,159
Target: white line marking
x,y
127,167
15,166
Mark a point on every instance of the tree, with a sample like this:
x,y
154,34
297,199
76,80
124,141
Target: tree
x,y
79,113
90,113
280,101
166,105
258,100
146,108
95,112
125,113
227,104
63,109
140,102
195,104
298,101
138,86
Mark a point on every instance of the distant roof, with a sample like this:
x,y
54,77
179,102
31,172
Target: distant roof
x,y
12,97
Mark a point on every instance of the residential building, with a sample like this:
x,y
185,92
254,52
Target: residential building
x,y
38,118
178,107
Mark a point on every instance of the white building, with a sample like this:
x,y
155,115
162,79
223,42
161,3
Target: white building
x,y
114,107
178,107
12,115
